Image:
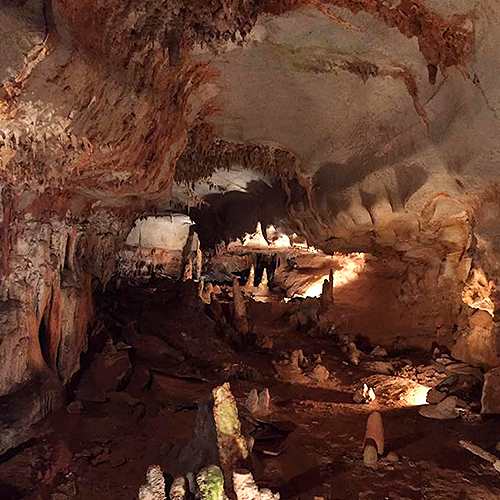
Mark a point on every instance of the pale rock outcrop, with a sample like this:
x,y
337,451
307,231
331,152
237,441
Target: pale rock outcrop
x,y
479,344
246,489
154,487
490,400
179,489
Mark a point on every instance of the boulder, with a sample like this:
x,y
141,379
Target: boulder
x,y
110,371
446,410
478,345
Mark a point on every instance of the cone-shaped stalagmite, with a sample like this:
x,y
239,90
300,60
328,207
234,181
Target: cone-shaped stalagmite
x,y
154,487
233,452
249,285
240,310
375,432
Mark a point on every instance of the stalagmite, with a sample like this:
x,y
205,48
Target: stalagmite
x,y
327,291
252,402
179,489
249,285
264,401
188,271
233,452
154,487
211,483
240,311
246,489
263,285
375,432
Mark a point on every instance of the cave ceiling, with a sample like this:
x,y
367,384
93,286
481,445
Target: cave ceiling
x,y
360,124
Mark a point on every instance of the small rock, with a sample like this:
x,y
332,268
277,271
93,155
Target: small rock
x,y
116,459
353,353
378,351
393,457
264,401
75,408
320,373
382,367
497,446
434,396
370,456
364,394
59,496
252,402
445,410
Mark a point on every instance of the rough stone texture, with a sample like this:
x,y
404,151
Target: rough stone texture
x,y
233,452
179,489
361,125
240,318
154,487
375,432
490,400
246,489
210,482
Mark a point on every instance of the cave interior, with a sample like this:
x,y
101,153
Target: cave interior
x,y
250,250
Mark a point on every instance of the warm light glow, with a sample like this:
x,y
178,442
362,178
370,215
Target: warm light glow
x,y
315,289
417,396
352,265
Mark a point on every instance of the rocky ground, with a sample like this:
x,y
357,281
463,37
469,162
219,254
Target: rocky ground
x,y
156,352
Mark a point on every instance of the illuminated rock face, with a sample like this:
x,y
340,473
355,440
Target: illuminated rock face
x,y
358,126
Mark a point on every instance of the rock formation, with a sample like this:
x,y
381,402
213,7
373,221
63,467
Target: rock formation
x,y
113,111
154,487
240,318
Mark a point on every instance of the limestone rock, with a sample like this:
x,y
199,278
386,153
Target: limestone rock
x,y
375,432
264,401
246,489
434,396
353,354
478,345
179,489
393,457
210,482
378,351
240,317
252,402
75,408
370,456
108,372
320,373
490,400
445,410
233,452
154,487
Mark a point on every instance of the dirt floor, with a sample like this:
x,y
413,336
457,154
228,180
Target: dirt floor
x,y
309,446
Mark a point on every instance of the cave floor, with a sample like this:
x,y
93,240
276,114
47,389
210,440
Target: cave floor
x,y
309,446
